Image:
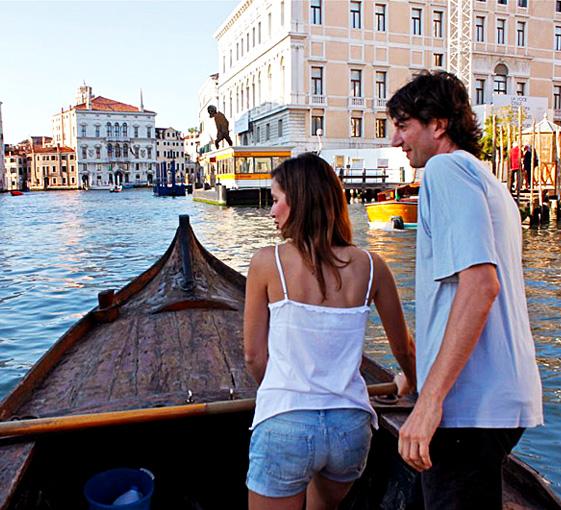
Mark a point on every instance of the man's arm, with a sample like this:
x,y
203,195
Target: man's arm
x,y
477,289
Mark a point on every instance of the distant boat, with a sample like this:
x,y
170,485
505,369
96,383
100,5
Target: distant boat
x,y
395,209
116,189
16,193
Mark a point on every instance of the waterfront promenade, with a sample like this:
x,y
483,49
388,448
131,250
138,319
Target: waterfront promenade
x,y
59,249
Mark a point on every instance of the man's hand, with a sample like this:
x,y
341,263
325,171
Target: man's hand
x,y
416,434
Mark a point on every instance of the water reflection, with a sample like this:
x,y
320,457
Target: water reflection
x,y
57,250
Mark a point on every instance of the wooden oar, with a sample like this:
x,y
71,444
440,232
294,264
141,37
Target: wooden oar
x,y
82,421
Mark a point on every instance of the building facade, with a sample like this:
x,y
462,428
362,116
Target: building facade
x,y
4,178
169,147
208,95
51,168
15,169
191,143
291,70
115,143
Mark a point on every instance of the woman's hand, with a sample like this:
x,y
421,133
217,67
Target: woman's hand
x,y
404,386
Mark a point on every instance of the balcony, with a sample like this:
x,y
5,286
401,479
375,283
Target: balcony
x,y
557,113
318,100
356,102
119,138
118,159
380,104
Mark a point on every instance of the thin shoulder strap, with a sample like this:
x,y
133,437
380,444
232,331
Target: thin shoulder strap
x,y
371,277
281,274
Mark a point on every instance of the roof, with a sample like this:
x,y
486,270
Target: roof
x,y
51,150
543,126
100,103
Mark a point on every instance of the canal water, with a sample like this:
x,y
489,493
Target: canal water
x,y
59,249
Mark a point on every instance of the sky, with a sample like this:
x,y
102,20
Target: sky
x,y
48,49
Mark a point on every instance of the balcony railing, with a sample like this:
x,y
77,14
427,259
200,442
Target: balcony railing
x,y
119,138
380,103
557,113
319,100
356,102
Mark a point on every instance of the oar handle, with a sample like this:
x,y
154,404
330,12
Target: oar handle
x,y
389,388
82,421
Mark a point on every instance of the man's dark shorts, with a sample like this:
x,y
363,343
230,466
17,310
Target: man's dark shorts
x,y
467,468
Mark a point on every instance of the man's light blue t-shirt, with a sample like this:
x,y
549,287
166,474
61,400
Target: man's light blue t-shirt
x,y
466,217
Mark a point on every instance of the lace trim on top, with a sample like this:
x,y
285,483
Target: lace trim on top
x,y
320,308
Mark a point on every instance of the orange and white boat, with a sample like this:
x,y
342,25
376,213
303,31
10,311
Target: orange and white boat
x,y
395,209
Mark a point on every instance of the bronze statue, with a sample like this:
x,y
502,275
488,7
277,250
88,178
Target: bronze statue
x,y
223,131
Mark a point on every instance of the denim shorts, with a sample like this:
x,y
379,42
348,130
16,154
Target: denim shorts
x,y
288,449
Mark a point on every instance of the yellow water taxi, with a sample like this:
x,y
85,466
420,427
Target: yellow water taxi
x,y
395,209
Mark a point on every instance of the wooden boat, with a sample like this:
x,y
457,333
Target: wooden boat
x,y
171,336
396,208
116,189
16,193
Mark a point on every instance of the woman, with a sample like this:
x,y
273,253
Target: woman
x,y
306,312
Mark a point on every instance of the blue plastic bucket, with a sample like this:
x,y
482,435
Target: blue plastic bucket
x,y
104,488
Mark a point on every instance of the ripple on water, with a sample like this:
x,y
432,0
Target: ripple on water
x,y
58,250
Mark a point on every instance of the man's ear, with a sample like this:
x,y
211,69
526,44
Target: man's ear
x,y
440,127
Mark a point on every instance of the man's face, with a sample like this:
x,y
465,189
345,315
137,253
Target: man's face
x,y
416,139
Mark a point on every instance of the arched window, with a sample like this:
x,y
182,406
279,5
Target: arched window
x,y
110,150
500,80
125,129
117,150
117,129
109,129
125,150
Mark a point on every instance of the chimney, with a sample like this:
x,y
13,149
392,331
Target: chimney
x,y
141,101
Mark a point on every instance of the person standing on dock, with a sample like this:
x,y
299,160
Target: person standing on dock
x,y
529,151
477,375
515,160
306,310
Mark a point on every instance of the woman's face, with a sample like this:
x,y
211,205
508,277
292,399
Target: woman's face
x,y
280,210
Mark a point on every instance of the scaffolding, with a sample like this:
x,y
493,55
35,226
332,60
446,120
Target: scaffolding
x,y
460,30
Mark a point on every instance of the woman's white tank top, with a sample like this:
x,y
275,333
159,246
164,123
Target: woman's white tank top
x,y
315,354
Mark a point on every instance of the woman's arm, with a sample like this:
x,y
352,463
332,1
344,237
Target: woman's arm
x,y
256,315
388,304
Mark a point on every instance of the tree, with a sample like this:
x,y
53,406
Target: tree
x,y
506,117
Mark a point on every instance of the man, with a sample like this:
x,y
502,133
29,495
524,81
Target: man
x,y
222,126
514,166
477,376
527,163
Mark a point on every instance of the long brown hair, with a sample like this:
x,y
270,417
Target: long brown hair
x,y
319,217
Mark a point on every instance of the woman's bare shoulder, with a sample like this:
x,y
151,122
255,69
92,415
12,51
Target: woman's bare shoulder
x,y
263,258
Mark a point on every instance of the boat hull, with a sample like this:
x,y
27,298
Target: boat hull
x,y
380,214
171,336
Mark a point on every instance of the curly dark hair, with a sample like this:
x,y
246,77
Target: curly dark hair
x,y
439,95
